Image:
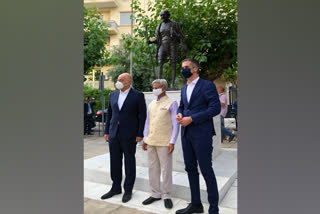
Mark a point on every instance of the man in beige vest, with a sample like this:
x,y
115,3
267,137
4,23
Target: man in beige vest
x,y
160,134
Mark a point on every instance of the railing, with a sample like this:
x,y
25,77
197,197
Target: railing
x,y
112,24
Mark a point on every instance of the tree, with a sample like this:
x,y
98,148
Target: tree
x,y
209,27
142,77
89,91
142,67
95,36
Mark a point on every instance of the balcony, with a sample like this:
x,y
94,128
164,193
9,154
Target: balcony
x,y
101,3
112,27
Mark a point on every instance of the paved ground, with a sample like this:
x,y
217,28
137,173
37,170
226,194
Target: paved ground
x,y
95,145
233,144
102,207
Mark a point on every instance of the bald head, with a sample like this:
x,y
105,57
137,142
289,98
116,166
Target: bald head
x,y
125,76
125,79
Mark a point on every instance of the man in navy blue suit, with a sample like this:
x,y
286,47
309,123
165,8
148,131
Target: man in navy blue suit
x,y
124,128
199,104
88,115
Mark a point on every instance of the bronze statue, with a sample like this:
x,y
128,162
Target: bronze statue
x,y
168,36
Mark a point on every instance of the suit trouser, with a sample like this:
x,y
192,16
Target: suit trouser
x,y
198,150
88,123
120,146
160,162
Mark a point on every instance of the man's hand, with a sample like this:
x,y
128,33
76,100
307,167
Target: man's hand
x,y
179,118
185,121
170,148
106,136
144,146
138,139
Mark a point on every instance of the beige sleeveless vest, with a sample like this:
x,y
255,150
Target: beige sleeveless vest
x,y
160,125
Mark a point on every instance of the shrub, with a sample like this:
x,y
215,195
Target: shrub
x,y
89,91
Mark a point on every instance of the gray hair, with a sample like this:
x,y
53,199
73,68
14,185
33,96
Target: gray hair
x,y
194,63
162,82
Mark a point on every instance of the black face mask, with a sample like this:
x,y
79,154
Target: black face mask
x,y
186,72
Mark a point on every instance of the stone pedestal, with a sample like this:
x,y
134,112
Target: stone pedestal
x,y
178,163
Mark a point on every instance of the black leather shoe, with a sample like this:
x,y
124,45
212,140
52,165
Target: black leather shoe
x,y
126,197
168,203
150,200
191,209
231,138
110,194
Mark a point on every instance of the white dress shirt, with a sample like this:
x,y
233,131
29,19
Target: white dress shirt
x,y
122,97
190,88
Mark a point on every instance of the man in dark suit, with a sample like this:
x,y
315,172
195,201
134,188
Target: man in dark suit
x,y
124,128
88,115
199,104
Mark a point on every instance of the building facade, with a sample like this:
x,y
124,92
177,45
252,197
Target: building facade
x,y
116,14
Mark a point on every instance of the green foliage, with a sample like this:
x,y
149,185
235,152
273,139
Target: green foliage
x,y
142,75
96,75
96,93
209,27
231,75
95,36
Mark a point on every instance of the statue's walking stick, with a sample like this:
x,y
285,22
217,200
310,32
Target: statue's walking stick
x,y
151,58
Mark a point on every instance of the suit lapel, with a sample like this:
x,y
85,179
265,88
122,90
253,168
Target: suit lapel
x,y
184,95
116,99
195,91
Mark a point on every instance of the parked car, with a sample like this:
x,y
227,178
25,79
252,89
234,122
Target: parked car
x,y
98,116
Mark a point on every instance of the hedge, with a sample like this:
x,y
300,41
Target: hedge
x,y
89,91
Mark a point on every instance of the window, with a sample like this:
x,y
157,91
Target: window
x,y
125,18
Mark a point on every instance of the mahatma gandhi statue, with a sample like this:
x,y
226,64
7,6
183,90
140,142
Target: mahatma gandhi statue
x,y
168,36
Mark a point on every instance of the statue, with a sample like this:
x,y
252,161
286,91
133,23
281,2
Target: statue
x,y
168,36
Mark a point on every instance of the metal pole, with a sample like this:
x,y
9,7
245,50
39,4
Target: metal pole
x,y
99,129
93,77
103,100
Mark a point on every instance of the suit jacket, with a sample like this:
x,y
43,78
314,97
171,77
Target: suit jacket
x,y
203,106
129,121
86,107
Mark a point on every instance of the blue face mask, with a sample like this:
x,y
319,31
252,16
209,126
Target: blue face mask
x,y
186,72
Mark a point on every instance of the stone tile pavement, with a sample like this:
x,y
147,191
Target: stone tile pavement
x,y
95,145
93,204
101,207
